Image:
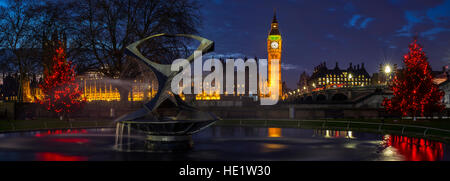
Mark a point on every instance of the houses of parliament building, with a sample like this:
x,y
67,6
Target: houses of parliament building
x,y
96,87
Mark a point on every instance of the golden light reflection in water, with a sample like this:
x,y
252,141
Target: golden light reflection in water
x,y
274,146
274,132
334,134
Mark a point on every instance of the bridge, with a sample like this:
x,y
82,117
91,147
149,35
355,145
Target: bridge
x,y
362,95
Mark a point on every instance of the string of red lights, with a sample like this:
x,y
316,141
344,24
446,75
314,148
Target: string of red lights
x,y
413,89
62,93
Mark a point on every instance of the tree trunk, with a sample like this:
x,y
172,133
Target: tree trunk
x,y
123,91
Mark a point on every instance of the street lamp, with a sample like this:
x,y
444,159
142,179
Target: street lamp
x,y
387,69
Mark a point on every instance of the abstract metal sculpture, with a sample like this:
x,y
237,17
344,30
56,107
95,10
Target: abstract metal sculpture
x,y
166,133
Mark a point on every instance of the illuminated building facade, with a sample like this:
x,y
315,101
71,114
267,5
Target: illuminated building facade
x,y
324,78
274,45
96,87
10,88
209,95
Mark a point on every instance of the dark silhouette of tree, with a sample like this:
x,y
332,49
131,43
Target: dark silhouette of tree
x,y
106,27
16,37
96,33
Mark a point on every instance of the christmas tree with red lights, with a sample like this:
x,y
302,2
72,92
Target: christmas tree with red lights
x,y
62,93
414,91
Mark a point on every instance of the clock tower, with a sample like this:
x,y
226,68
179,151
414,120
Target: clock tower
x,y
274,45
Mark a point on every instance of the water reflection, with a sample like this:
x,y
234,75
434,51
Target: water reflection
x,y
50,156
224,143
412,149
334,134
60,132
71,140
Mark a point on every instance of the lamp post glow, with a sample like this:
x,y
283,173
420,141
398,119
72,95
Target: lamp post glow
x,y
387,69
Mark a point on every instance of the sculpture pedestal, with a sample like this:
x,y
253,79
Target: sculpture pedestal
x,y
160,136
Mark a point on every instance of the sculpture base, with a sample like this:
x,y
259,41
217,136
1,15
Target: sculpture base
x,y
160,143
163,133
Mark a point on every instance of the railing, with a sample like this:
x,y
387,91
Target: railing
x,y
321,124
347,125
44,125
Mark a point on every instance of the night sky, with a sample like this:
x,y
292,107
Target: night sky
x,y
313,31
369,31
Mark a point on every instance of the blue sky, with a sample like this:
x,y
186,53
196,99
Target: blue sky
x,y
369,31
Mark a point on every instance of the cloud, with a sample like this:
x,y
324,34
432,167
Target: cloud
x,y
353,20
350,7
365,22
331,36
431,32
412,19
438,15
359,21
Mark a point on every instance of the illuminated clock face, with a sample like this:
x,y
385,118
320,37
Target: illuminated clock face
x,y
274,44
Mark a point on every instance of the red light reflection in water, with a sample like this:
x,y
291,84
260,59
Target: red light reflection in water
x,y
49,156
71,140
415,149
58,132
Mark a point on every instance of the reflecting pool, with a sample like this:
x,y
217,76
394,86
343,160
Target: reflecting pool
x,y
226,143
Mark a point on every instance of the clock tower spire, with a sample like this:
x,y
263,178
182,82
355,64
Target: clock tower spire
x,y
274,44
